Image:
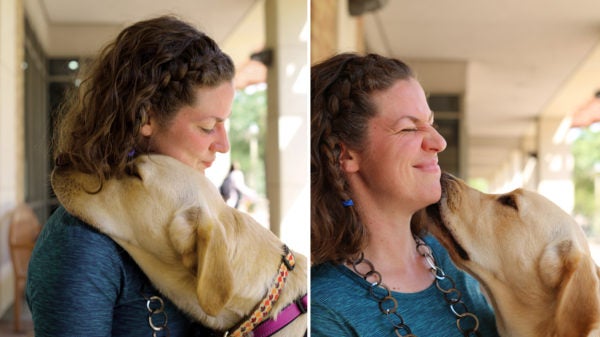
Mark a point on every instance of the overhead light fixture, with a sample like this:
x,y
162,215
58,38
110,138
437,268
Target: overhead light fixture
x,y
359,7
264,56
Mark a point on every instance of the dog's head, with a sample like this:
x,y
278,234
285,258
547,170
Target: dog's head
x,y
504,236
514,243
168,217
196,232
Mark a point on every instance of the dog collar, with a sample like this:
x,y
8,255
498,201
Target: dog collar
x,y
287,316
261,312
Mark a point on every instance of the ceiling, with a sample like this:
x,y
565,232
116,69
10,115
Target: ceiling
x,y
523,60
218,18
237,25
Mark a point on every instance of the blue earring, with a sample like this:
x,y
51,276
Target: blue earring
x,y
348,203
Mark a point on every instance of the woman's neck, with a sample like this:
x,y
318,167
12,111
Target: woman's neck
x,y
392,251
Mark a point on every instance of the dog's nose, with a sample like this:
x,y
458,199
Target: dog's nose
x,y
444,179
447,176
447,180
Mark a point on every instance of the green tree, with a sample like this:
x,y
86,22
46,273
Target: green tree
x,y
586,154
249,111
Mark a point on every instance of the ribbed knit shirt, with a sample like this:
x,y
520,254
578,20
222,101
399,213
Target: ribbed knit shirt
x,y
82,284
341,304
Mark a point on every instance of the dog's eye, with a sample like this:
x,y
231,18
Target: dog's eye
x,y
508,200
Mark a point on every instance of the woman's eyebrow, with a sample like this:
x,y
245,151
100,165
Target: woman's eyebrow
x,y
215,118
415,119
221,120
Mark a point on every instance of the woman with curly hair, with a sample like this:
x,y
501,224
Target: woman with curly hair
x,y
161,87
374,164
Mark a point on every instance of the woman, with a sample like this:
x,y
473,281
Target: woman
x,y
373,165
161,87
234,190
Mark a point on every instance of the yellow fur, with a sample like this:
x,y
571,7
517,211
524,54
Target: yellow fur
x,y
213,261
531,257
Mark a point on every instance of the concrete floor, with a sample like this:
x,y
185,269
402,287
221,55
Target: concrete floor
x,y
7,324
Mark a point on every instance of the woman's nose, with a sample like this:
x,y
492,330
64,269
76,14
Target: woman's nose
x,y
435,141
221,141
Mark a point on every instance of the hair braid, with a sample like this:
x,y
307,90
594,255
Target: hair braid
x,y
340,111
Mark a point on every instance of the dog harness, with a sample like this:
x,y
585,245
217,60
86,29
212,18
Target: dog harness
x,y
285,317
258,321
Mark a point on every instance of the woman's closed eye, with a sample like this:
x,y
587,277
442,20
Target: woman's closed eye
x,y
413,129
411,124
207,127
416,128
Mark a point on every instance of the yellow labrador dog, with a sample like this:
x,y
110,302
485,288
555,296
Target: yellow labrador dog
x,y
214,262
531,258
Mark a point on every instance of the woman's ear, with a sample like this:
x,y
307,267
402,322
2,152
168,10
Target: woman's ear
x,y
348,159
148,128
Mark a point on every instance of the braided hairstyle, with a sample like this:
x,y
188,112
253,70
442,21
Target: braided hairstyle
x,y
157,65
341,107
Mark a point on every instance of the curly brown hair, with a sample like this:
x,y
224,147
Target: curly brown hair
x,y
341,107
155,65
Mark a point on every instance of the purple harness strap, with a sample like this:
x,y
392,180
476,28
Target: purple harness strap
x,y
285,317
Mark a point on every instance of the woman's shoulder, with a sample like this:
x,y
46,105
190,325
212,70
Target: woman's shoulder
x,y
69,251
65,227
324,272
327,276
64,237
75,266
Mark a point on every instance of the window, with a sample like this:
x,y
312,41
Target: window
x,y
446,108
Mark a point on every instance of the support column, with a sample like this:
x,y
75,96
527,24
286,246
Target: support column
x,y
555,163
11,132
287,36
596,219
333,30
324,29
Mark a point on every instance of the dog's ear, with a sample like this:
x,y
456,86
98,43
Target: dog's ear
x,y
182,234
214,286
557,262
578,299
573,278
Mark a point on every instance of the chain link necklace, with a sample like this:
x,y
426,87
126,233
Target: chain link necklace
x,y
388,305
157,315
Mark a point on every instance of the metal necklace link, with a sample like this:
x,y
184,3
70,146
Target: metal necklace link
x,y
391,309
452,295
156,309
388,305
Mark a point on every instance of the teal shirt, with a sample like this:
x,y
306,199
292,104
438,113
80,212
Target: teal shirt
x,y
82,284
341,304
